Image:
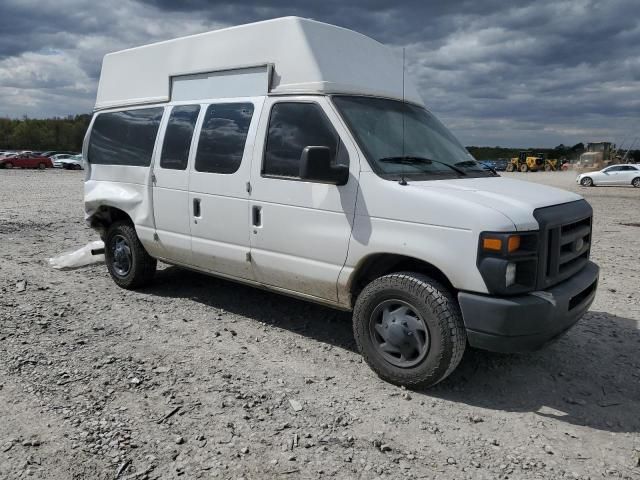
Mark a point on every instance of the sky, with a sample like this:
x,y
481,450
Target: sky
x,y
496,72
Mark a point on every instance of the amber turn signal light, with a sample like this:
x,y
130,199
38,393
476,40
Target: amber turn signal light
x,y
513,244
492,244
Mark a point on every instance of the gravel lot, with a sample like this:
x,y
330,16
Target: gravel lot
x,y
201,378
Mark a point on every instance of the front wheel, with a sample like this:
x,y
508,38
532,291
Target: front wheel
x,y
636,182
409,329
586,182
510,167
524,168
41,166
8,165
128,262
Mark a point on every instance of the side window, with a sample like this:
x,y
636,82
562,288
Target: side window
x,y
124,138
292,127
223,137
177,137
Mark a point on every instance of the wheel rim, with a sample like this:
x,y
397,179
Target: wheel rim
x,y
586,182
399,334
636,182
122,258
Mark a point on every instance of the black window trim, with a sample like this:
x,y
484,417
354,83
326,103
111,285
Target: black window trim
x,y
204,108
266,136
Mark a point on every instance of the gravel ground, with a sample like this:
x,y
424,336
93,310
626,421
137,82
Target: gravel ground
x,y
200,378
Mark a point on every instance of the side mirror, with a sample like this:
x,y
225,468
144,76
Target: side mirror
x,y
315,166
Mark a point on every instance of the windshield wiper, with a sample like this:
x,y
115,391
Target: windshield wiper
x,y
411,160
481,167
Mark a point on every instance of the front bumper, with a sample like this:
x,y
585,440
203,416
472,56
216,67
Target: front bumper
x,y
527,322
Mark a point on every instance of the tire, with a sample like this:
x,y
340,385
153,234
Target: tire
x,y
636,182
510,167
524,168
8,165
41,166
426,304
547,168
128,262
586,182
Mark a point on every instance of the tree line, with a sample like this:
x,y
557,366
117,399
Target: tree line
x,y
43,134
561,152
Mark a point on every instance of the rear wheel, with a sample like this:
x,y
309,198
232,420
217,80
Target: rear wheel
x,y
636,182
586,182
128,262
8,165
41,166
409,329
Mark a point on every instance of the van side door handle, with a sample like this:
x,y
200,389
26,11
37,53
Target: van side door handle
x,y
196,208
256,216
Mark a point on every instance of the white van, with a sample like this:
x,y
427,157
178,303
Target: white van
x,y
292,155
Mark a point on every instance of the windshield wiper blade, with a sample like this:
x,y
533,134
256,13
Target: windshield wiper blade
x,y
481,167
411,160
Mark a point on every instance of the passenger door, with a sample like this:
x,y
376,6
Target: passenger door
x,y
171,185
627,174
300,230
218,184
610,176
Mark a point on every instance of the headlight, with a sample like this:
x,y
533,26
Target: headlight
x,y
508,262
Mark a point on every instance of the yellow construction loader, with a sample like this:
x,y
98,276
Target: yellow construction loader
x,y
531,162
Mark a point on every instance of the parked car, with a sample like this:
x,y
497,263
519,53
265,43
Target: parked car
x,y
73,162
329,181
57,159
26,160
627,174
50,153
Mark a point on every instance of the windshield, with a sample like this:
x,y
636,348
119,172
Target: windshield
x,y
430,151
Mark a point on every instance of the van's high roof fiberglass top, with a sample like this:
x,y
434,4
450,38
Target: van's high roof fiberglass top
x,y
297,56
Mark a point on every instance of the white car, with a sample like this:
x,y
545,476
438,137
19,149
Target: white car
x,y
294,174
57,159
627,174
74,162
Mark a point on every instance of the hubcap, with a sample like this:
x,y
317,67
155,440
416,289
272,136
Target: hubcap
x,y
122,258
399,334
636,182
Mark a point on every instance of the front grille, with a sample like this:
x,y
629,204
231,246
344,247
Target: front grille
x,y
565,241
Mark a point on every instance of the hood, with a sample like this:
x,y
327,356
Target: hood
x,y
516,199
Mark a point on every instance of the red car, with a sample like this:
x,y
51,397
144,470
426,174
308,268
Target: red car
x,y
26,160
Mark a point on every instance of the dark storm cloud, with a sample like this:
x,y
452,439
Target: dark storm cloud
x,y
510,73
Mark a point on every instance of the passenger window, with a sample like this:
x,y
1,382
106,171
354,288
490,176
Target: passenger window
x,y
292,127
223,137
177,137
124,138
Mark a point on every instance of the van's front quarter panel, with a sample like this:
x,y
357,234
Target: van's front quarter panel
x,y
422,223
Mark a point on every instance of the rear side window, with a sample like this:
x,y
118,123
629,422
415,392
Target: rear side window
x,y
222,137
177,137
124,138
292,127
